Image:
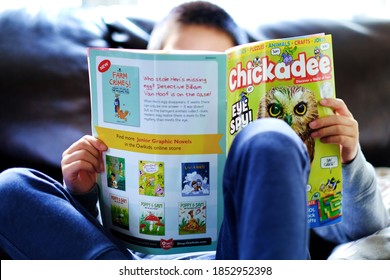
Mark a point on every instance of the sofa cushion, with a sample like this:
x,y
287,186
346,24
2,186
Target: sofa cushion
x,y
44,83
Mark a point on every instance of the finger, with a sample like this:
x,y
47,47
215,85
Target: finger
x,y
338,106
87,142
79,176
334,120
83,158
101,163
74,168
334,130
342,140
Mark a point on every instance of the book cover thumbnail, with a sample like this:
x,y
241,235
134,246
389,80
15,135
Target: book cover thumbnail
x,y
152,220
195,179
192,217
151,178
120,211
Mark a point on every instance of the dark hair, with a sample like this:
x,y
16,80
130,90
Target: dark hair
x,y
197,13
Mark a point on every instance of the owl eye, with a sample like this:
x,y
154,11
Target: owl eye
x,y
275,110
300,109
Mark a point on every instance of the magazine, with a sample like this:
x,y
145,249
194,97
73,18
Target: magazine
x,y
169,119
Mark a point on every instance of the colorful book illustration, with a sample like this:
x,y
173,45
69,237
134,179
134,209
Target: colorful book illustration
x,y
195,179
151,220
151,178
192,217
285,79
119,207
121,95
115,167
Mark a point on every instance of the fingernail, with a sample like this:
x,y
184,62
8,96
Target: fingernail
x,y
323,101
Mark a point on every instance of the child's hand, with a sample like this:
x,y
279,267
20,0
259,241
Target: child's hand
x,y
340,128
81,162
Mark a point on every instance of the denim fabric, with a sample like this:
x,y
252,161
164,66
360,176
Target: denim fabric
x,y
40,220
265,178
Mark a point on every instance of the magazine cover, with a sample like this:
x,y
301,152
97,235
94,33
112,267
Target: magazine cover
x,y
285,79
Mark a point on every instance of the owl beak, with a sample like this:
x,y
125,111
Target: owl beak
x,y
288,119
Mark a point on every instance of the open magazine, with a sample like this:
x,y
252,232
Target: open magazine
x,y
169,118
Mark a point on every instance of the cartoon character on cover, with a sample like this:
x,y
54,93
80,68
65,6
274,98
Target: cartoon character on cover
x,y
196,185
192,224
330,186
117,104
296,105
317,53
286,55
114,183
257,62
118,112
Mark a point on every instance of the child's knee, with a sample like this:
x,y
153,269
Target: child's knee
x,y
13,179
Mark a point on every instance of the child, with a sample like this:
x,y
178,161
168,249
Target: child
x,y
57,223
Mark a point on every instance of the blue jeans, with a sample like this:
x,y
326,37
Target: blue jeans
x,y
264,187
40,220
264,196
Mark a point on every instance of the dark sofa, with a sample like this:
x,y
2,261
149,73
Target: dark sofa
x,y
44,82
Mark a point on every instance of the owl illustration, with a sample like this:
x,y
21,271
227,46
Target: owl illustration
x,y
296,105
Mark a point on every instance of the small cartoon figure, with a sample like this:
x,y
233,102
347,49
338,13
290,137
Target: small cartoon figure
x,y
192,224
257,61
122,115
114,183
117,104
159,190
151,182
118,112
286,55
330,185
243,96
196,185
317,53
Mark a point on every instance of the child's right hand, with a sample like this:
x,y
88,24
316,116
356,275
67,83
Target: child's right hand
x,y
340,128
81,162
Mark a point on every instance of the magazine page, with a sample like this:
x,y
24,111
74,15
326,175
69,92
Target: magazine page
x,y
285,79
163,117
